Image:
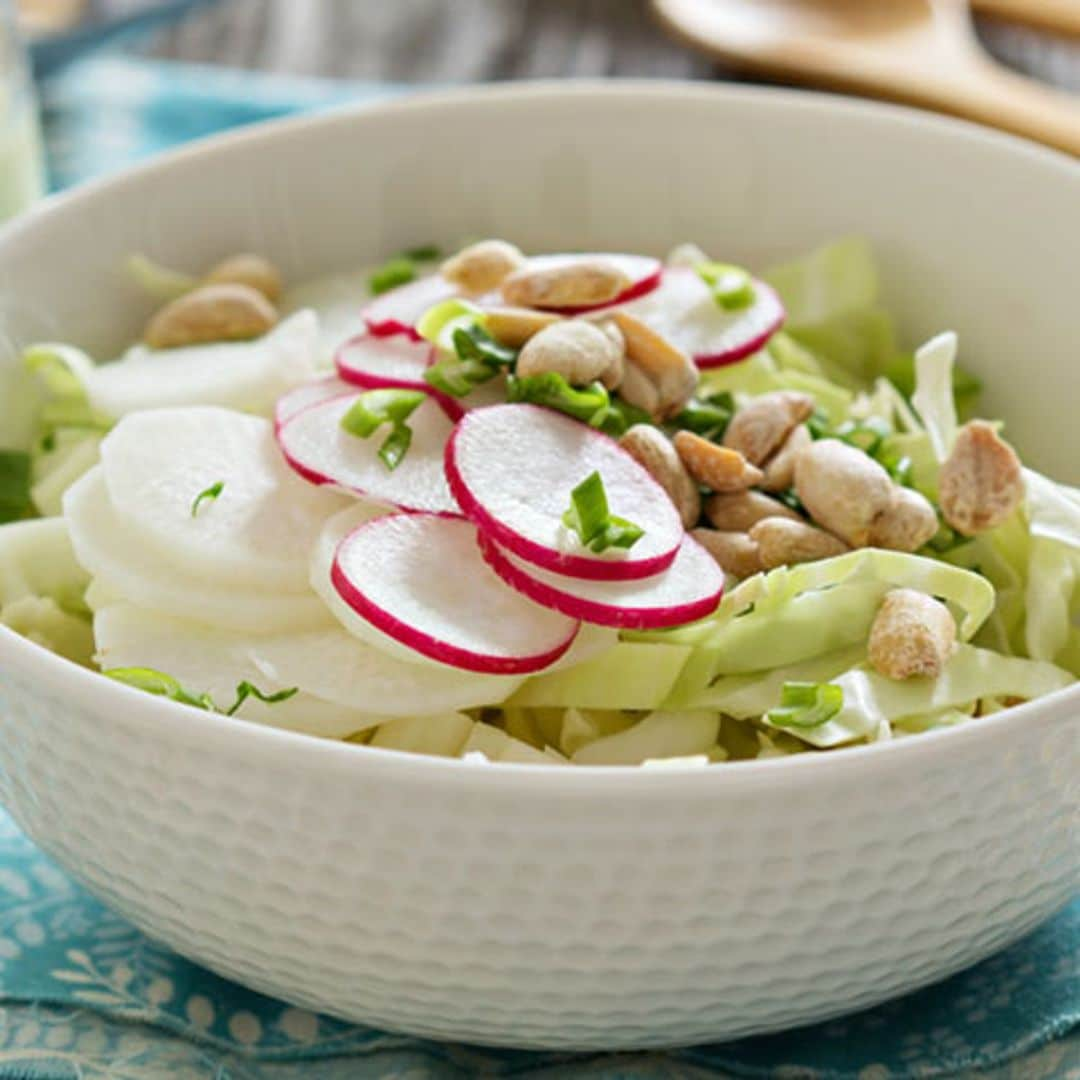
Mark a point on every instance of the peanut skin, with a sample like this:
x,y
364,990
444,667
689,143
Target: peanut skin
x,y
760,427
245,269
735,552
780,468
576,350
578,283
652,449
211,313
716,467
981,483
842,489
740,511
673,374
907,523
482,266
782,542
912,635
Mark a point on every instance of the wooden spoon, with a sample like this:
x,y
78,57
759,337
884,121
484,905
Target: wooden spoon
x,y
921,52
1053,16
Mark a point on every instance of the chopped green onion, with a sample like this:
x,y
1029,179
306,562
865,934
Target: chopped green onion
x,y
477,358
211,493
424,253
390,406
590,518
458,378
438,323
708,416
394,272
791,500
475,343
245,690
946,539
866,435
806,705
14,485
732,286
160,684
818,424
551,390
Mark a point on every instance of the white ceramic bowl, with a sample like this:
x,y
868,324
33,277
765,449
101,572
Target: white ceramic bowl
x,y
577,908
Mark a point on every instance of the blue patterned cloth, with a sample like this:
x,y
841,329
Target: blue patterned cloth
x,y
83,994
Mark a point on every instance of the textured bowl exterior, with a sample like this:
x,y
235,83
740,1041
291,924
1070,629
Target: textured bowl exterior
x,y
516,905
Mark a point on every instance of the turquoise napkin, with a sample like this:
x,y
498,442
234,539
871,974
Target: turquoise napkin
x,y
83,994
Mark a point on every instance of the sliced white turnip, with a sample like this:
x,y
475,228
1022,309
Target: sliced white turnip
x,y
512,469
212,660
398,310
322,452
123,566
684,311
644,272
338,300
313,392
249,375
258,531
420,579
373,362
689,589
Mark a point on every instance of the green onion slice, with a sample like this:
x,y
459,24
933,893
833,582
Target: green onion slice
x,y
732,286
589,517
207,494
373,409
806,705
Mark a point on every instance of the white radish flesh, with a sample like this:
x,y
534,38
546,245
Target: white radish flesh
x,y
421,579
512,469
684,311
644,272
338,300
317,447
313,392
211,660
257,533
398,310
248,375
373,362
689,589
123,566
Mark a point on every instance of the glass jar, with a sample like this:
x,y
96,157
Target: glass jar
x,y
22,177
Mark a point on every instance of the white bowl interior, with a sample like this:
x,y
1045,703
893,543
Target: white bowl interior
x,y
974,230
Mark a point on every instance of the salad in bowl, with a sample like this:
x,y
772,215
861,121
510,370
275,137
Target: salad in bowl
x,y
560,509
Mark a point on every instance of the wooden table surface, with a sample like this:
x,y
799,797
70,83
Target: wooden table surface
x,y
456,41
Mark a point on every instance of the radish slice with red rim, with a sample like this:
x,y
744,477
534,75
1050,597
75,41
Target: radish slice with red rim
x,y
684,311
375,362
421,580
397,311
689,589
314,392
512,469
644,272
317,447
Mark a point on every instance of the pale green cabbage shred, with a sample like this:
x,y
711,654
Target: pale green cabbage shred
x,y
698,694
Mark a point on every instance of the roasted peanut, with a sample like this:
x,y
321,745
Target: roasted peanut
x,y
686,255
513,326
760,427
716,467
482,266
252,270
981,482
842,488
613,377
652,449
912,634
780,468
211,313
671,371
736,553
782,542
905,524
638,390
739,511
576,283
576,350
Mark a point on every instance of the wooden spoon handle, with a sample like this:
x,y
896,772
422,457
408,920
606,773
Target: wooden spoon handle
x,y
1054,16
993,95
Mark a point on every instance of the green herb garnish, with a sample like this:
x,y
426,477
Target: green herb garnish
x,y
590,518
424,253
477,358
374,408
806,705
14,485
207,494
732,286
394,272
708,416
551,390
162,685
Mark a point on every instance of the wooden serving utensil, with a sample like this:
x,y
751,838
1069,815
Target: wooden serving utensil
x,y
920,52
1053,16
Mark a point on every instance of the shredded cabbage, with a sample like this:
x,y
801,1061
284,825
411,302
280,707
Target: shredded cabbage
x,y
659,735
933,397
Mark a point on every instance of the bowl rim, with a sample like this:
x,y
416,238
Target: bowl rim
x,y
105,695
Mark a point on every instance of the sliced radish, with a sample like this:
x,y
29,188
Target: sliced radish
x,y
257,533
123,566
512,468
689,589
248,375
420,579
398,310
313,392
212,660
644,272
373,362
315,446
683,311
